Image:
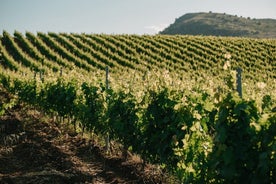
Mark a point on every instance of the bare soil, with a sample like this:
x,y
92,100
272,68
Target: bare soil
x,y
37,149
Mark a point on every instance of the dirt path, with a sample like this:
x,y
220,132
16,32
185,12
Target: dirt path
x,y
34,150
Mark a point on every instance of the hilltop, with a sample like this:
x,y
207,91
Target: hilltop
x,y
221,24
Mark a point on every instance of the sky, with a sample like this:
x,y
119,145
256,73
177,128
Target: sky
x,y
117,16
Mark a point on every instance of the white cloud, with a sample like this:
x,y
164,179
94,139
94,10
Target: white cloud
x,y
157,28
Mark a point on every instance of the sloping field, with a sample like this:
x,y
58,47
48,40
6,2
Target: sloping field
x,y
179,54
170,99
188,60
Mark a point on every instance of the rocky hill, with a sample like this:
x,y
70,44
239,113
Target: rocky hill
x,y
221,24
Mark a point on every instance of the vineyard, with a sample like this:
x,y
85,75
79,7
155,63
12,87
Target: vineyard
x,y
170,99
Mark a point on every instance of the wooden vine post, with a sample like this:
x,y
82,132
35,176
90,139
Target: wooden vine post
x,y
34,75
239,81
107,142
60,72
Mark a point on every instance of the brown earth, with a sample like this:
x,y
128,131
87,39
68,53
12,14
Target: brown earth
x,y
36,149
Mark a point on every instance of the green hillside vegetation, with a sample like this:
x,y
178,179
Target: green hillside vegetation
x,y
190,56
169,98
132,58
218,24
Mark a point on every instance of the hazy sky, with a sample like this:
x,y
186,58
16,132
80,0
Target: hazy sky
x,y
117,16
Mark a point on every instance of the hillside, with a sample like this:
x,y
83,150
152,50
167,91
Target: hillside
x,y
218,24
194,55
132,59
170,99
